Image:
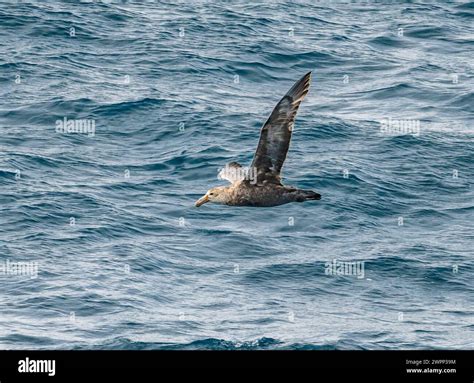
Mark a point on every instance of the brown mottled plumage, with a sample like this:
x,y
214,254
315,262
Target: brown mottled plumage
x,y
275,136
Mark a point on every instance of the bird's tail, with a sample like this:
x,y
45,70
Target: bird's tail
x,y
309,195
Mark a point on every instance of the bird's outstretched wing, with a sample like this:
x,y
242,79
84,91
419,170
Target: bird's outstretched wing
x,y
275,135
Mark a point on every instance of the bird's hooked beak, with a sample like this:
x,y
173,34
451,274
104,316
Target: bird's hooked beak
x,y
202,200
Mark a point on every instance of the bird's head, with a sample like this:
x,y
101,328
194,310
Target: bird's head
x,y
216,195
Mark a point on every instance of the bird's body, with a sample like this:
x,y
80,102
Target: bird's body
x,y
264,188
244,193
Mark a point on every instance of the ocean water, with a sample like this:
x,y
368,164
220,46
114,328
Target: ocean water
x,y
115,255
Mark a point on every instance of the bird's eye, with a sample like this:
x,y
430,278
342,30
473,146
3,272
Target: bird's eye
x,y
211,193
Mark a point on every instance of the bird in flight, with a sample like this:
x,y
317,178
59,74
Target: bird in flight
x,y
260,185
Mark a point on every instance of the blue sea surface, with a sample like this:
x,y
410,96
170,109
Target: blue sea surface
x,y
175,91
